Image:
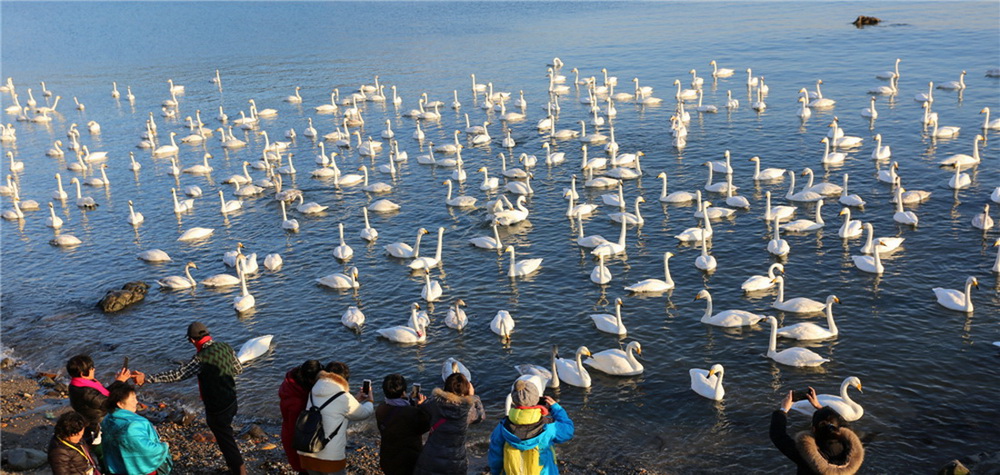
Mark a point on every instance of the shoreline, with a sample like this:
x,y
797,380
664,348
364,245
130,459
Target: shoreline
x,y
30,401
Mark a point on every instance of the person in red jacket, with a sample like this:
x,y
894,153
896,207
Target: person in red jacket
x,y
293,395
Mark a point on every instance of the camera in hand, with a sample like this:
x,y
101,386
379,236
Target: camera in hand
x,y
366,386
800,395
125,363
415,392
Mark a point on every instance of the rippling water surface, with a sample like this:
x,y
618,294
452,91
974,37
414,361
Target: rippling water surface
x,y
929,374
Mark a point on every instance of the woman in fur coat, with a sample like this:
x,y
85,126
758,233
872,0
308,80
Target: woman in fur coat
x,y
829,448
450,412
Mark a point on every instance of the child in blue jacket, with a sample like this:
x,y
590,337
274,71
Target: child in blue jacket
x,y
522,442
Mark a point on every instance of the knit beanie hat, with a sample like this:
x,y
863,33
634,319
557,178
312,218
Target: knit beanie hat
x,y
524,394
197,331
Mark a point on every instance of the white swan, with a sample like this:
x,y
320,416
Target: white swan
x,y
843,404
431,291
311,207
797,304
695,234
245,300
572,372
456,317
403,250
905,217
451,366
369,233
983,220
196,233
812,331
766,174
153,255
849,199
708,383
705,261
782,213
961,160
83,201
428,262
383,206
777,246
870,112
726,318
618,362
718,72
954,85
944,132
762,282
831,158
851,228
273,262
523,268
630,218
719,187
463,201
489,184
177,282
488,242
987,123
929,97
676,197
591,241
339,280
342,251
956,299
53,221
795,356
290,224
806,225
413,332
889,74
254,348
959,180
608,323
502,324
656,285
803,196
515,215
610,249
885,244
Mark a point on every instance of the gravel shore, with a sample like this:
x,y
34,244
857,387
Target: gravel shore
x,y
31,401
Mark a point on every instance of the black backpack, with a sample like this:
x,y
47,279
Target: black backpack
x,y
309,434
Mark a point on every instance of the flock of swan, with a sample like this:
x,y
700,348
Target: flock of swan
x,y
505,194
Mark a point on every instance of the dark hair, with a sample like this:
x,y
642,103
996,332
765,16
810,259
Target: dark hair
x,y
79,366
118,391
70,424
339,368
826,423
394,386
457,384
305,375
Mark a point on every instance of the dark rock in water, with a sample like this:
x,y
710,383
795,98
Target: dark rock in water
x,y
129,294
25,459
47,382
182,417
7,363
254,432
953,468
865,21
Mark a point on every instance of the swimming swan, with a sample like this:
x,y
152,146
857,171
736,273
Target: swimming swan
x,y
795,356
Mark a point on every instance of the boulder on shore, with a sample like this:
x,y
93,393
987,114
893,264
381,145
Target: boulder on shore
x,y
129,294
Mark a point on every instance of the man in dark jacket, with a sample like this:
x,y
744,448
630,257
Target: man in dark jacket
x,y
87,396
69,453
216,366
401,424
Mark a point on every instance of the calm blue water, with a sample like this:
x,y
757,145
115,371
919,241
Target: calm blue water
x,y
929,374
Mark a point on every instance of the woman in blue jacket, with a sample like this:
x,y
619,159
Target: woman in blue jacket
x,y
522,442
132,446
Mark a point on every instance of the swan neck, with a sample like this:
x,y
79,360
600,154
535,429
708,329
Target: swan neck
x,y
708,308
829,313
773,342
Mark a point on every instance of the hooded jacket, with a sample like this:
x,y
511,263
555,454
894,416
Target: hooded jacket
x,y
293,398
450,416
840,456
525,429
344,408
131,444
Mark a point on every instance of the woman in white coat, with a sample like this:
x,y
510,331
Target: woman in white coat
x,y
346,407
